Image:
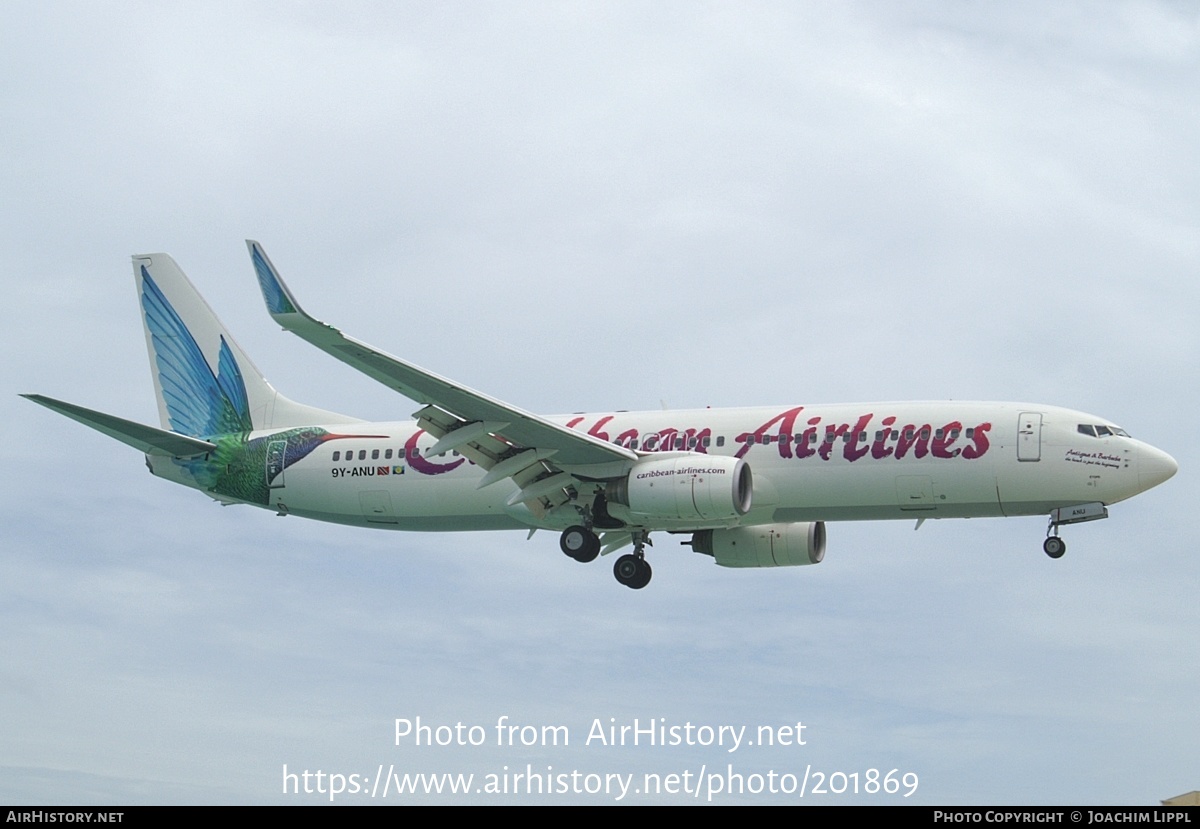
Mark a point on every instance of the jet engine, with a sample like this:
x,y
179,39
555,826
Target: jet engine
x,y
685,488
767,545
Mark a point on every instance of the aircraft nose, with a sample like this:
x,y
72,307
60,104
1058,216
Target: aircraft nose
x,y
1154,467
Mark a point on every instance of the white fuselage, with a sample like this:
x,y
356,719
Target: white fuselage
x,y
845,462
754,487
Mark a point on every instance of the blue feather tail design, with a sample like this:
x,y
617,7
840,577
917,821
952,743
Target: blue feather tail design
x,y
198,402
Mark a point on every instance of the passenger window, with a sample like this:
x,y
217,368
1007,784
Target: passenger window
x,y
374,454
939,434
691,443
337,455
705,443
830,437
362,454
720,440
679,442
909,434
924,434
633,444
387,454
970,433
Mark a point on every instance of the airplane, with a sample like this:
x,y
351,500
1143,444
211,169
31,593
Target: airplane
x,y
749,487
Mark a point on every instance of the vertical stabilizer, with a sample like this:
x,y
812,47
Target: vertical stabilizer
x,y
203,381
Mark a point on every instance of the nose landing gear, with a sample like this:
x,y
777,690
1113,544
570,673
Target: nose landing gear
x,y
1054,546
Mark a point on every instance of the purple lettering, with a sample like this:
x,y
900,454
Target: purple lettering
x,y
595,430
785,421
832,433
880,449
424,465
981,442
852,452
913,437
804,447
941,443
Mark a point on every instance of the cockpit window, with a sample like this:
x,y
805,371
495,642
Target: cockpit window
x,y
1097,430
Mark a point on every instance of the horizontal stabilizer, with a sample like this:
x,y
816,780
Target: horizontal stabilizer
x,y
148,439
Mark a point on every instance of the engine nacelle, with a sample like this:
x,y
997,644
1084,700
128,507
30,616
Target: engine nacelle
x,y
686,488
767,545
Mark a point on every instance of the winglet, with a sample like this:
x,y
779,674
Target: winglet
x,y
279,299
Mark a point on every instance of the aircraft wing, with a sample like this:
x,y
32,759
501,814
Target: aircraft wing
x,y
488,431
148,439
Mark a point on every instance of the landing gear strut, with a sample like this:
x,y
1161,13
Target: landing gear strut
x,y
632,569
1053,546
579,543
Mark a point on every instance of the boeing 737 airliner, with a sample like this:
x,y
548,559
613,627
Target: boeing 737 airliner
x,y
750,487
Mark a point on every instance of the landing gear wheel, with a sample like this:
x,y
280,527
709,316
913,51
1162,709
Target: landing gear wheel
x,y
626,569
1054,547
644,574
579,543
632,571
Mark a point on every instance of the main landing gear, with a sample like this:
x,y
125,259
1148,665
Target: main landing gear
x,y
579,543
631,569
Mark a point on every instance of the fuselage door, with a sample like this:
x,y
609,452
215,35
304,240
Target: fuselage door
x,y
915,492
1029,436
276,452
377,506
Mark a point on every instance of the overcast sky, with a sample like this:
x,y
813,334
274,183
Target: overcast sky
x,y
590,206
